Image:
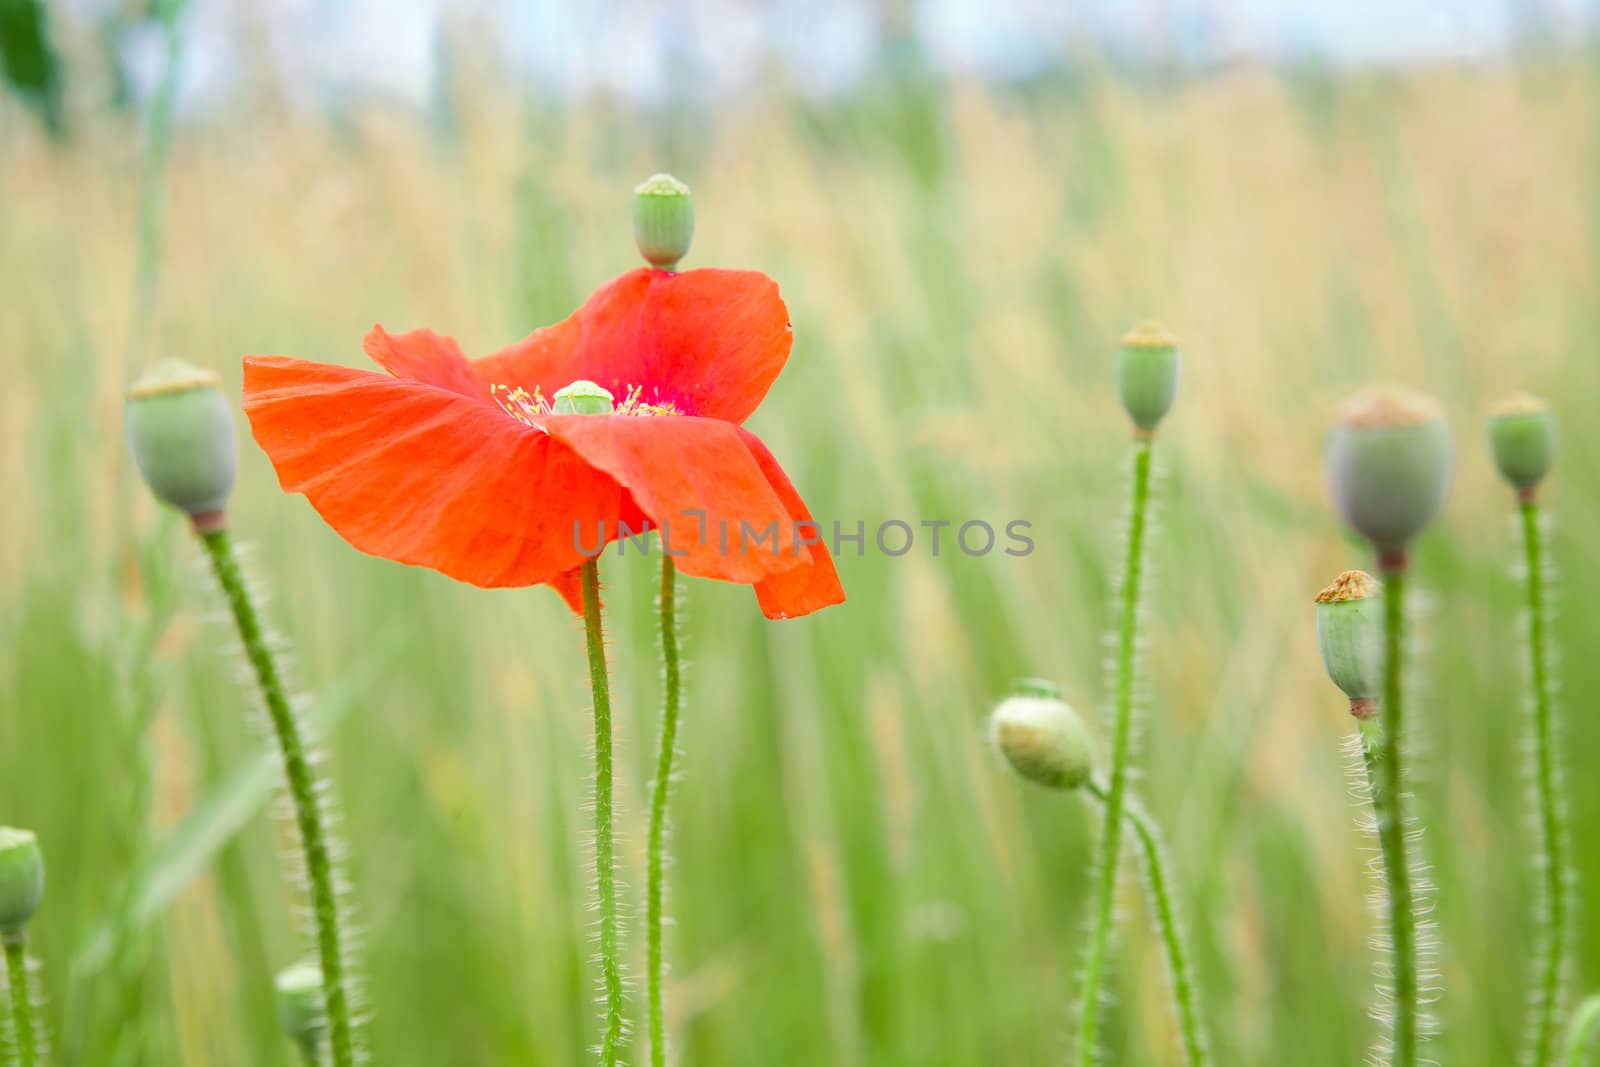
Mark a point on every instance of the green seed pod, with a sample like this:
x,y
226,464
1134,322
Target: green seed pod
x,y
1350,635
1042,738
1522,435
1147,375
1389,464
663,220
21,878
583,398
297,992
180,430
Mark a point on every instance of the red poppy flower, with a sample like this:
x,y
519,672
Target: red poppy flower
x,y
460,466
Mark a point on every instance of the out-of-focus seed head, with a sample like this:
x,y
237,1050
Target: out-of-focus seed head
x,y
297,992
663,220
583,398
1522,435
21,878
1042,738
1147,374
1350,636
1390,459
180,429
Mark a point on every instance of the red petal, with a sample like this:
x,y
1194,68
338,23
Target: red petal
x,y
426,357
698,480
425,476
709,342
570,586
800,590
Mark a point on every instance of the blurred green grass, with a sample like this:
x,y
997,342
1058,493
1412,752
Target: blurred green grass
x,y
856,881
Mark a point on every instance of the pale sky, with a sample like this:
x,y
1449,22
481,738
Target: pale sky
x,y
390,48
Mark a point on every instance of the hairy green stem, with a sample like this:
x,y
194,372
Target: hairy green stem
x,y
1121,742
604,855
1583,1024
1552,833
302,792
1160,895
27,1043
1384,762
655,891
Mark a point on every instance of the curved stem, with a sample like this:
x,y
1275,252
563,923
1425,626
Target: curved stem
x,y
1552,833
1162,908
655,892
1121,742
1583,1023
605,861
21,1001
302,791
1388,797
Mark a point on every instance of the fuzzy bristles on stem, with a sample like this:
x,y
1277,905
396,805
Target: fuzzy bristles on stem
x,y
1108,860
1552,864
604,844
655,894
306,792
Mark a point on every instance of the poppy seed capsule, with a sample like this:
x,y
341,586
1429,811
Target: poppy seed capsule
x,y
1389,463
297,994
21,878
180,430
1043,739
583,398
1350,636
1147,374
663,220
1522,435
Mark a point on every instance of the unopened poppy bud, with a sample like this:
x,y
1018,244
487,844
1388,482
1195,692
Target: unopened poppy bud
x,y
180,430
1350,635
297,992
21,878
1389,463
1042,737
1147,374
583,398
663,220
1522,435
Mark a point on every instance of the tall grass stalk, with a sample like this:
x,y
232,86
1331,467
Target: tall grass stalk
x,y
1121,745
604,848
1582,1031
303,792
1159,892
1552,859
152,171
656,888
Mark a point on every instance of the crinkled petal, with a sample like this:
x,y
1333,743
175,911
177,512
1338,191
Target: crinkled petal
x,y
426,357
799,590
698,481
708,342
422,475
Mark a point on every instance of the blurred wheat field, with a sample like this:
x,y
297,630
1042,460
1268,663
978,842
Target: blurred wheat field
x,y
856,882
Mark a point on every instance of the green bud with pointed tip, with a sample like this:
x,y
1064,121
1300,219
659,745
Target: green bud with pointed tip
x,y
1390,459
1522,435
583,398
1350,637
1042,738
180,430
297,993
663,220
21,878
1147,375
